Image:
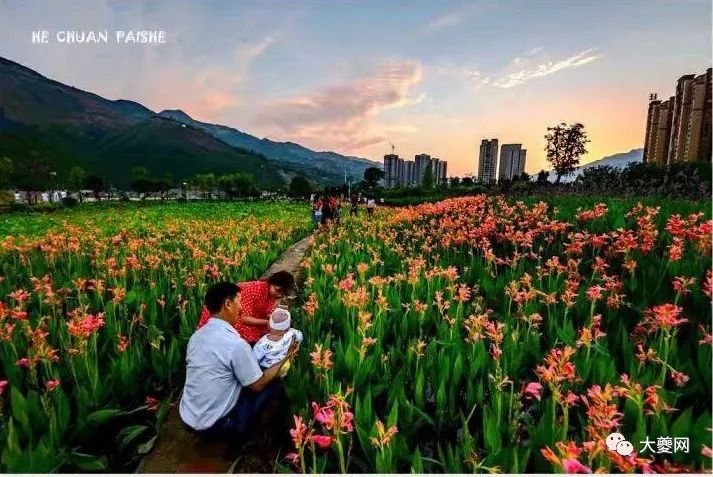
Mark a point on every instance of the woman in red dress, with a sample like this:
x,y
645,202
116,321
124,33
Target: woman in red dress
x,y
258,299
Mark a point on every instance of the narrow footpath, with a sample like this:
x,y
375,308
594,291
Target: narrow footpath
x,y
178,451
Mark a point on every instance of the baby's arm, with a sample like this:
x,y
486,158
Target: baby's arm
x,y
298,336
259,351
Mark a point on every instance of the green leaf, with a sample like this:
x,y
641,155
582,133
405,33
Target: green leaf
x,y
491,432
88,463
682,426
416,462
62,409
18,405
420,389
146,447
129,434
103,415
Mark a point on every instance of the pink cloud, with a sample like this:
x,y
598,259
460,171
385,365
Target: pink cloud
x,y
339,116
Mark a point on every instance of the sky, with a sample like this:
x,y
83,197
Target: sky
x,y
357,76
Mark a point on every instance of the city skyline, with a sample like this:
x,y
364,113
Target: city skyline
x,y
357,77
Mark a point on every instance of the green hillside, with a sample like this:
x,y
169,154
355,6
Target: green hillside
x,y
163,147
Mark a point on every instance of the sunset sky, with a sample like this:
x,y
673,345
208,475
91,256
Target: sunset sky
x,y
356,76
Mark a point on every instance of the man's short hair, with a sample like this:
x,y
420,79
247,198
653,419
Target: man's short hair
x,y
282,280
217,294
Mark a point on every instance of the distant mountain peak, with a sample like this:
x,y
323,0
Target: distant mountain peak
x,y
618,161
176,114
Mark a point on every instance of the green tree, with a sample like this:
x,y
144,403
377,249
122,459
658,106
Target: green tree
x,y
76,179
300,187
32,175
565,145
244,184
141,182
6,168
96,184
163,185
542,177
427,180
455,181
206,183
372,176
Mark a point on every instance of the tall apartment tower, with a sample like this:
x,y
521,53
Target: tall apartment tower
x,y
422,161
439,173
488,160
391,170
435,168
679,129
512,161
410,168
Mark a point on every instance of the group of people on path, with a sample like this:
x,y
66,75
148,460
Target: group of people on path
x,y
243,344
328,209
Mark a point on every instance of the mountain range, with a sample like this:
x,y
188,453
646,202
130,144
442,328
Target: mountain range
x,y
66,126
618,161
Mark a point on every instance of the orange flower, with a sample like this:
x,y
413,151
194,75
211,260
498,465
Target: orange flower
x,y
321,360
383,436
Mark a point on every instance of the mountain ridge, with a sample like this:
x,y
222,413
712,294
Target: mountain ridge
x,y
30,102
618,160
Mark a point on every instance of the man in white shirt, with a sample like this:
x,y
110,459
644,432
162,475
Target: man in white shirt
x,y
225,387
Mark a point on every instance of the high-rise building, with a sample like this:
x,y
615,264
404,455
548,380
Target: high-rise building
x,y
443,174
435,168
512,161
679,129
401,173
391,171
439,171
410,168
488,160
422,161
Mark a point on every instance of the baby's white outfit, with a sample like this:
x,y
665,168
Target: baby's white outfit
x,y
270,352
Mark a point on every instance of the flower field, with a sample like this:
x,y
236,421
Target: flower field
x,y
483,335
96,308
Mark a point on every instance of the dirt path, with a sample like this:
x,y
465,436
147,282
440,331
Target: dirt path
x,y
291,258
178,451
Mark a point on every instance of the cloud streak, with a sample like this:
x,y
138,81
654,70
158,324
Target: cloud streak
x,y
449,19
524,74
341,115
521,69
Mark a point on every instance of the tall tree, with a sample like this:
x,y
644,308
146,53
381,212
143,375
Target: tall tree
x,y
300,187
427,180
6,168
206,183
372,176
244,184
76,180
565,145
96,184
141,182
32,175
542,177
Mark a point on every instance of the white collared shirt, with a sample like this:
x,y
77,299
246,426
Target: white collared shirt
x,y
218,364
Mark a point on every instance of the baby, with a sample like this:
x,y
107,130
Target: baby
x,y
273,347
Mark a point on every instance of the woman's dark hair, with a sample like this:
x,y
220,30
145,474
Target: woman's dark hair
x,y
217,294
282,280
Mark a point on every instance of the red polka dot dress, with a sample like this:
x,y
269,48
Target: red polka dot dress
x,y
256,303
